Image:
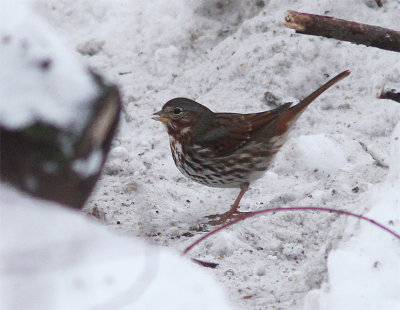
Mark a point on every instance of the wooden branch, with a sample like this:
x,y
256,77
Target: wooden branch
x,y
379,3
391,94
344,30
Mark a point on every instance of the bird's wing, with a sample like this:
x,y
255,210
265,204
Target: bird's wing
x,y
227,132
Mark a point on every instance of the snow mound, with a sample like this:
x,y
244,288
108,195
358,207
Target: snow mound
x,y
327,154
53,258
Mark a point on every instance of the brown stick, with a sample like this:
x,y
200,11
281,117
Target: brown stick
x,y
391,94
344,30
379,3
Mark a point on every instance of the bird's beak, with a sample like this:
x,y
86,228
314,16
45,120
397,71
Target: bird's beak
x,y
160,116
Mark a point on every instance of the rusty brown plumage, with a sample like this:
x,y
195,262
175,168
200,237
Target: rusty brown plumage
x,y
229,149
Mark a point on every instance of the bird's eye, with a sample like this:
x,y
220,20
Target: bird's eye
x,y
177,111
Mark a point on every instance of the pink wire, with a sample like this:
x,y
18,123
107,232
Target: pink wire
x,y
251,214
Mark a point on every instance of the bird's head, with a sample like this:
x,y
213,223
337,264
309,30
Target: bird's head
x,y
181,115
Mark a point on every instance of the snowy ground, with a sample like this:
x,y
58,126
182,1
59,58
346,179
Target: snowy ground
x,y
226,55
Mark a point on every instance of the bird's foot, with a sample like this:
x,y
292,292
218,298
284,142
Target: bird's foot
x,y
231,215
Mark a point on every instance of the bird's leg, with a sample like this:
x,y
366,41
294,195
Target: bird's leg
x,y
233,212
243,189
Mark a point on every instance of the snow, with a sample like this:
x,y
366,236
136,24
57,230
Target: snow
x,y
371,257
38,71
53,258
89,166
327,154
320,153
226,55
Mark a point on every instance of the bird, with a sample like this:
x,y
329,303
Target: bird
x,y
229,150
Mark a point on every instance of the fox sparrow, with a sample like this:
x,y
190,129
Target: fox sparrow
x,y
229,149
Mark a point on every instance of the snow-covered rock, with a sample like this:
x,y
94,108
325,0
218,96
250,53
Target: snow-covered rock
x,y
57,118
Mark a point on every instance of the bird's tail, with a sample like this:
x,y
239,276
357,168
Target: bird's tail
x,y
310,98
294,112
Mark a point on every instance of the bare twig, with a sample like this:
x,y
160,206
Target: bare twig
x,y
344,30
378,161
251,214
379,3
204,263
391,94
